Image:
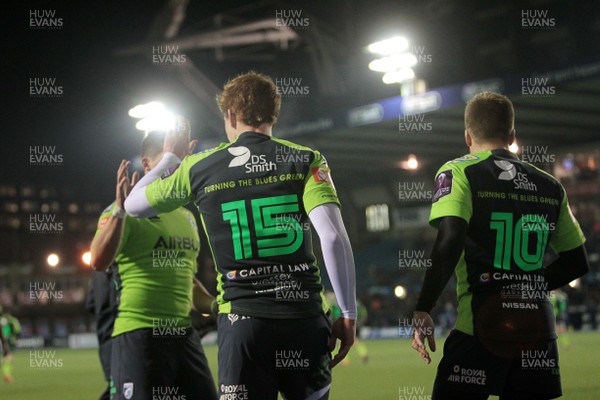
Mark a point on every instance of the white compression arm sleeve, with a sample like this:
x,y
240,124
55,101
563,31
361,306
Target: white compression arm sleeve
x,y
337,254
136,203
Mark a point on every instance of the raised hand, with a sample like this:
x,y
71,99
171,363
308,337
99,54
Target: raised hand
x,y
177,140
124,184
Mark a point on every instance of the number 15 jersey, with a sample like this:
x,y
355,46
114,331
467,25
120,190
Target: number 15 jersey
x,y
254,196
514,211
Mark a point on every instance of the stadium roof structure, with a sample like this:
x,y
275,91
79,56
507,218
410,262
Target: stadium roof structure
x,y
556,108
553,107
101,57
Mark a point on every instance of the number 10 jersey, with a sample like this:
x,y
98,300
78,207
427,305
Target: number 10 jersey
x,y
515,212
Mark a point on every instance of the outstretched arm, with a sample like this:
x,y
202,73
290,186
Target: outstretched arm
x,y
108,237
176,146
339,262
137,204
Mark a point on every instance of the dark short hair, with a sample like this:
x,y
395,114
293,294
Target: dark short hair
x,y
152,145
489,116
253,97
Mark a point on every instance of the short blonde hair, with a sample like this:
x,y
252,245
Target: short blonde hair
x,y
489,116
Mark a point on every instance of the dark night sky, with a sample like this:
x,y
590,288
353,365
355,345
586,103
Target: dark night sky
x,y
89,124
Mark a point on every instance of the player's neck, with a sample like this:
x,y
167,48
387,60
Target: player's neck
x,y
482,147
263,129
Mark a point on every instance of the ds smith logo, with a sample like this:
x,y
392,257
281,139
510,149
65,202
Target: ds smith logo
x,y
251,162
510,173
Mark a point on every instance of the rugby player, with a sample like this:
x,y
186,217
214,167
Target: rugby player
x,y
154,349
496,217
10,328
102,302
256,195
3,353
560,304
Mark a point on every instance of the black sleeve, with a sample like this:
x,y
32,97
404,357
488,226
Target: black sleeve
x,y
101,290
568,266
449,245
89,302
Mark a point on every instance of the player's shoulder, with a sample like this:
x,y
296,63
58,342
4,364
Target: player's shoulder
x,y
459,164
541,172
183,214
550,179
204,154
468,159
289,143
183,211
108,209
293,145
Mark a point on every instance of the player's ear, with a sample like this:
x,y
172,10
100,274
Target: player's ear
x,y
468,139
512,136
232,118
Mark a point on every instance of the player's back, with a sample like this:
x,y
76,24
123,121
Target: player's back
x,y
156,262
513,210
254,196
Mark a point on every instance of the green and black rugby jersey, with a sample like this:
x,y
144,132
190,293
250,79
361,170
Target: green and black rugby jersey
x,y
156,263
254,196
515,211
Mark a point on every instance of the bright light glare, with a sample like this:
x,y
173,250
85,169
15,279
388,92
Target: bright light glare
x,y
514,148
400,292
412,162
574,284
393,45
398,76
145,110
86,258
393,62
160,121
52,260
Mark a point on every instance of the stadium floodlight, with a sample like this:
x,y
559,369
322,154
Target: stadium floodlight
x,y
153,116
398,76
400,292
86,258
145,110
396,65
158,122
394,45
514,147
393,62
53,260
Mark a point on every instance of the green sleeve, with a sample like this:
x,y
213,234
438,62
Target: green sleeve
x,y
106,214
15,325
172,190
568,234
318,186
451,195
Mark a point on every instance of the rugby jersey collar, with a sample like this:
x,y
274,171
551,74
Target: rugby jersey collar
x,y
504,153
252,137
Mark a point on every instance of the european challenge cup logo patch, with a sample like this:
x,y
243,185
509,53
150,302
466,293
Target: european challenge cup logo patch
x,y
443,185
